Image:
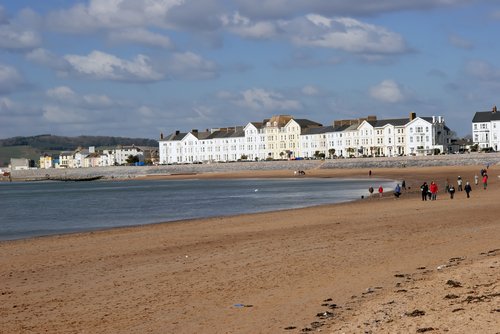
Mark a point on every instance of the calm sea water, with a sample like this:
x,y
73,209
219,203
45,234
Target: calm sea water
x,y
47,208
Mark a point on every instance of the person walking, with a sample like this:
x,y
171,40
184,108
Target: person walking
x,y
485,181
459,183
434,189
403,184
424,188
370,190
476,180
380,191
451,190
467,189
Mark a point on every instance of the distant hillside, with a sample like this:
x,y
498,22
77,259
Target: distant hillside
x,y
33,147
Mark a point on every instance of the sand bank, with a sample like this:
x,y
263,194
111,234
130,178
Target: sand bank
x,y
272,272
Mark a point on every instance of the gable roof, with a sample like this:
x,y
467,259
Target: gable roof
x,y
485,116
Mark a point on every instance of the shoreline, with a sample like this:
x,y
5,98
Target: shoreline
x,y
193,276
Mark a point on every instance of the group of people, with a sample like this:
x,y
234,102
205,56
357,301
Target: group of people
x,y
430,191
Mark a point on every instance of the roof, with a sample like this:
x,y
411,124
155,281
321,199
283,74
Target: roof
x,y
395,122
485,116
304,123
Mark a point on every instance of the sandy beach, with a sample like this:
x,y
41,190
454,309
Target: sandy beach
x,y
377,265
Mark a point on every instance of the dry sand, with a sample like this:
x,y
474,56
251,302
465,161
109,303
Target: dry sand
x,y
378,265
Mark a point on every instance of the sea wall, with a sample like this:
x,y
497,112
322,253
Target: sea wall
x,y
480,159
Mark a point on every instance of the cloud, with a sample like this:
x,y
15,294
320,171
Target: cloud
x,y
345,34
259,99
245,28
482,70
140,36
310,90
65,96
190,66
102,66
284,9
10,79
46,58
20,33
110,14
460,42
387,91
56,114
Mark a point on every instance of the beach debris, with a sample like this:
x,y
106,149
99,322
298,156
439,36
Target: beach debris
x,y
421,268
477,299
454,284
425,329
289,328
457,309
495,310
491,252
328,300
415,313
325,315
242,305
441,267
306,329
400,275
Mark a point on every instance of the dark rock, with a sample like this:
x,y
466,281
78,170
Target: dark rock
x,y
289,328
425,329
316,324
457,309
451,296
415,313
454,284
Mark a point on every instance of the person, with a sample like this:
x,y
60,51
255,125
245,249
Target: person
x,y
424,188
434,189
459,183
380,191
370,190
451,190
476,179
467,189
397,191
403,184
370,172
485,181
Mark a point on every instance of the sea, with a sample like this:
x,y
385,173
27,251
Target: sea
x,y
42,208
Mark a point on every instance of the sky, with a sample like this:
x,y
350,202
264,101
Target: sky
x,y
138,68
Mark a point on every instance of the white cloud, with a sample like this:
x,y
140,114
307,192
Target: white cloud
x,y
245,28
10,79
56,114
258,99
103,66
46,58
140,36
460,42
310,90
16,38
112,14
189,65
345,34
387,91
62,93
482,70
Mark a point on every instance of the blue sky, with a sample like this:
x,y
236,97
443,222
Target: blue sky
x,y
136,68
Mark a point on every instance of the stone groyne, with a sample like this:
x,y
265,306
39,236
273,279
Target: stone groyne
x,y
124,172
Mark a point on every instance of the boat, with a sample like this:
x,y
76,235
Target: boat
x,y
76,179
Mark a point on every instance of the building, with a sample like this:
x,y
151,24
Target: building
x,y
284,137
486,129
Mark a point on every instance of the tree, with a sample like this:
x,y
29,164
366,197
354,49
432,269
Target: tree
x,y
132,159
331,152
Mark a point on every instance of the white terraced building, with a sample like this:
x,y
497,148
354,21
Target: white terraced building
x,y
283,137
486,129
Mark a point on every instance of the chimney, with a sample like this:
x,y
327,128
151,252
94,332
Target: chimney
x,y
413,115
194,131
161,135
177,132
494,111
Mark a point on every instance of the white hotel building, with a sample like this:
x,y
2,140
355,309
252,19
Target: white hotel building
x,y
283,137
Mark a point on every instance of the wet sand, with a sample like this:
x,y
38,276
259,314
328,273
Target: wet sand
x,y
337,268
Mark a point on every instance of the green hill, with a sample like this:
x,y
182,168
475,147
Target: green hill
x,y
35,146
